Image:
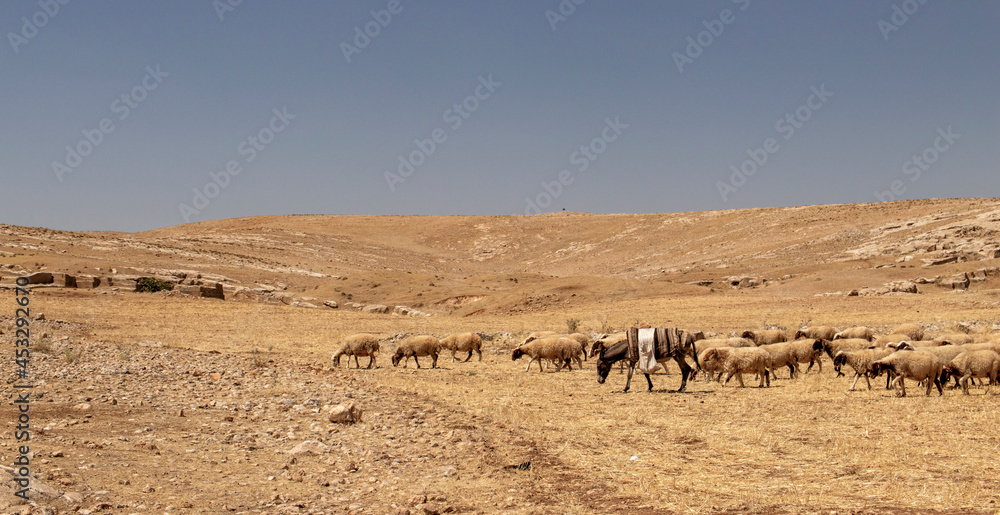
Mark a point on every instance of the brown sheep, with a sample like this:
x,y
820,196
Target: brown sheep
x,y
738,361
911,364
834,346
971,364
861,332
766,336
912,331
357,345
560,349
956,338
819,332
416,346
861,361
463,342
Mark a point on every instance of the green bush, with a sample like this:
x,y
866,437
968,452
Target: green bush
x,y
152,285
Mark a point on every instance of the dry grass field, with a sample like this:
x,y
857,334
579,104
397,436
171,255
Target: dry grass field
x,y
204,419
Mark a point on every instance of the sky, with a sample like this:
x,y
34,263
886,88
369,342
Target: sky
x,y
135,115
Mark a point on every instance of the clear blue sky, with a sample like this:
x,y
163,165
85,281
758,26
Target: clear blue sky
x,y
311,116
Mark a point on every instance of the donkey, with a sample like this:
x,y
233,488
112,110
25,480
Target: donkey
x,y
619,351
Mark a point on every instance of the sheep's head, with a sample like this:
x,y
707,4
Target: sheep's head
x,y
945,342
603,368
748,335
818,346
711,357
878,367
800,334
516,354
397,357
948,371
839,360
597,349
838,336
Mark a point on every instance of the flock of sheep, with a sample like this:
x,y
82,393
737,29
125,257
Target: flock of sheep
x,y
902,354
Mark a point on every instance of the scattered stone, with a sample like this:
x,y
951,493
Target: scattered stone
x,y
310,447
330,304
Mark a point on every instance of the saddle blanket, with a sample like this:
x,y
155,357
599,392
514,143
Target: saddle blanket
x,y
647,351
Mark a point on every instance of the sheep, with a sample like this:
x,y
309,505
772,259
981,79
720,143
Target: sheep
x,y
891,338
362,344
911,364
912,331
861,332
766,336
819,332
790,354
955,339
861,361
605,342
945,353
463,342
714,343
556,348
738,361
424,345
918,343
808,350
971,364
536,335
584,341
832,347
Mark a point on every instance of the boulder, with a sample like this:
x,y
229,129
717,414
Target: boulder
x,y
310,447
66,281
956,282
188,289
346,413
376,308
332,304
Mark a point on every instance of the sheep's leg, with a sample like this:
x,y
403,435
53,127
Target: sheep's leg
x,y
434,360
902,385
728,377
356,364
965,384
371,360
739,377
857,375
938,384
479,353
468,358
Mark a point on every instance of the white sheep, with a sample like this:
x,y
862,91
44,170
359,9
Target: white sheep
x,y
605,342
738,361
861,361
424,345
362,344
715,343
911,364
463,342
819,332
766,336
912,331
971,364
861,332
560,349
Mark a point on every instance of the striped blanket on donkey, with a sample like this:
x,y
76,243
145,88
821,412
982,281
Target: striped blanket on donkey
x,y
645,348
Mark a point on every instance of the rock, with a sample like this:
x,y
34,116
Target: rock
x,y
310,446
148,489
215,291
332,304
82,407
187,289
346,413
87,281
376,308
940,261
304,304
924,280
40,278
215,377
67,281
287,299
956,282
417,499
401,310
150,343
853,293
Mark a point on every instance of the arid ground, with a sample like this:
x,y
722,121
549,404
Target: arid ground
x,y
176,402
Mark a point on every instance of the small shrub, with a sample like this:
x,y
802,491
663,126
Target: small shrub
x,y
70,355
259,359
572,324
44,346
152,285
